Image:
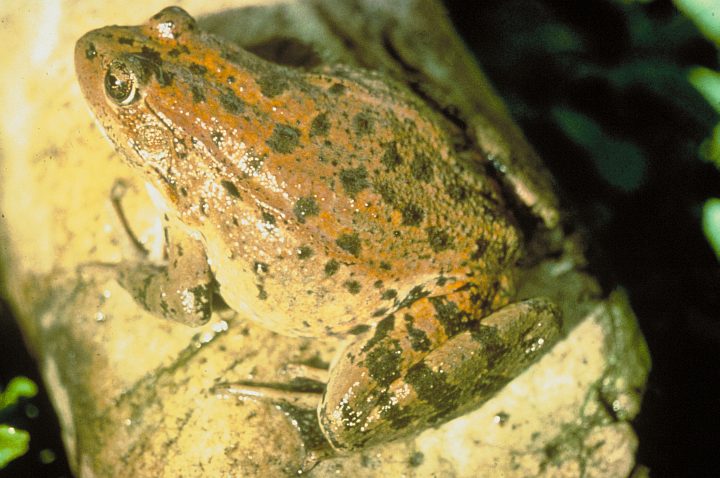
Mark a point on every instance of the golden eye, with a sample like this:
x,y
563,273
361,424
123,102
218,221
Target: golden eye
x,y
121,83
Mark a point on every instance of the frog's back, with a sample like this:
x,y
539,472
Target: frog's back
x,y
376,205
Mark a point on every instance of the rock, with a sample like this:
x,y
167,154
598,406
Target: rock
x,y
137,396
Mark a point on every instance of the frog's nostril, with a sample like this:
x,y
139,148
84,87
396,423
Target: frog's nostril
x,y
90,51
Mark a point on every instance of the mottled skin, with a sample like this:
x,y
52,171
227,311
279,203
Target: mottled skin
x,y
323,203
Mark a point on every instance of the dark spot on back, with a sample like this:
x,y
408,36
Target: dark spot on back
x,y
391,158
380,312
331,267
231,103
439,239
230,188
150,61
198,69
269,218
417,292
386,191
352,286
412,215
305,252
421,167
126,41
284,139
272,84
349,243
354,180
482,246
151,56
164,78
320,125
359,329
363,124
337,89
198,95
389,294
305,207
385,266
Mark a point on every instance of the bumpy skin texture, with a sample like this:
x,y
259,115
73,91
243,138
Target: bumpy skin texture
x,y
324,203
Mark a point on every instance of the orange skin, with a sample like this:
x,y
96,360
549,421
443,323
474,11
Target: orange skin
x,y
323,203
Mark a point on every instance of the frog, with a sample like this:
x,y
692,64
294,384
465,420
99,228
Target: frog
x,y
324,202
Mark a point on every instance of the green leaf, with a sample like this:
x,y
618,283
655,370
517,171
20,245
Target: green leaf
x,y
707,82
705,14
13,444
710,149
711,223
19,387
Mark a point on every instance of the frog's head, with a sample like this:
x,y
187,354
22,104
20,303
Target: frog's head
x,y
120,72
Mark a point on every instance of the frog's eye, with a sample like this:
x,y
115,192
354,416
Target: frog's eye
x,y
121,83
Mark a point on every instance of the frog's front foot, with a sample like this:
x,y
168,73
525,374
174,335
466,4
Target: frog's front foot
x,y
180,288
412,374
158,292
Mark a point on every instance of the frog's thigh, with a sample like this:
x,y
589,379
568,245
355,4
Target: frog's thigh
x,y
456,376
179,290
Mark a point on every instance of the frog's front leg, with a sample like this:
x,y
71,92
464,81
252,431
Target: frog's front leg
x,y
181,288
417,370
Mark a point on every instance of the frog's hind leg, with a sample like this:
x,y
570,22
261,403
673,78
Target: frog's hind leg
x,y
415,371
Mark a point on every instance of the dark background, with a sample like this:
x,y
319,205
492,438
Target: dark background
x,y
638,194
599,88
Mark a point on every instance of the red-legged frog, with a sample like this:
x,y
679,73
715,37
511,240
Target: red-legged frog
x,y
321,203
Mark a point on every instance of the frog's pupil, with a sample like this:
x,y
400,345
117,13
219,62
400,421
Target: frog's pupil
x,y
120,84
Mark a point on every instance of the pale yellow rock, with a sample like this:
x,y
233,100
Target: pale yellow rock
x,y
139,397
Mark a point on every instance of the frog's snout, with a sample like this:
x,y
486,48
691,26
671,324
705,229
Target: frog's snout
x,y
87,63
